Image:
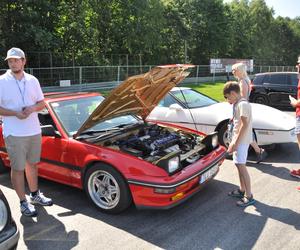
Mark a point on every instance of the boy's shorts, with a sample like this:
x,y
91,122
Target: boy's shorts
x,y
297,129
240,155
22,149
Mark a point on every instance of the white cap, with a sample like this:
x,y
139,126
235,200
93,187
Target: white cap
x,y
15,53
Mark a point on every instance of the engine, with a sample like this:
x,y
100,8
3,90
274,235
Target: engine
x,y
153,142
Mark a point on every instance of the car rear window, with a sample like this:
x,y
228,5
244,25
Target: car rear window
x,y
258,80
277,79
294,79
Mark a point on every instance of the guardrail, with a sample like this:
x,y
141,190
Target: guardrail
x,y
87,78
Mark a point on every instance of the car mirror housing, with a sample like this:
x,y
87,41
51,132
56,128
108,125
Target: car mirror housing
x,y
175,107
48,130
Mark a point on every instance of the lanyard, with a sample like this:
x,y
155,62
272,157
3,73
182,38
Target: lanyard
x,y
22,93
234,106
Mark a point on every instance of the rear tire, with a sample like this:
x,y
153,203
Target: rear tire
x,y
261,99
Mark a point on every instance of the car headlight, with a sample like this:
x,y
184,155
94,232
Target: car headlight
x,y
170,163
214,141
3,215
211,141
173,164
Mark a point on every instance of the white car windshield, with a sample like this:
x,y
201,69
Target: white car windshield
x,y
188,98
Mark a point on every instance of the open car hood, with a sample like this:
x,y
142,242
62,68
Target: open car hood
x,y
138,95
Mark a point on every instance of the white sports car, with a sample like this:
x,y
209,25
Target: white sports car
x,y
189,108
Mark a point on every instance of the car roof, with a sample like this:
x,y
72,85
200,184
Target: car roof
x,y
60,96
275,73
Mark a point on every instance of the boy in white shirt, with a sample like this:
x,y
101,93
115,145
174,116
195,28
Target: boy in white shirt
x,y
242,137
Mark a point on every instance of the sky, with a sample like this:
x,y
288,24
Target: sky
x,y
284,8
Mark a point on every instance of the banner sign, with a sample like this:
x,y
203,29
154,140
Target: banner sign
x,y
223,65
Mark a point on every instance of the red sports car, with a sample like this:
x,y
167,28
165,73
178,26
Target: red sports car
x,y
106,147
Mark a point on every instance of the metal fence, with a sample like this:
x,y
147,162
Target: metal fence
x,y
107,77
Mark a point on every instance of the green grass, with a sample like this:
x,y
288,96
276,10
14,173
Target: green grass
x,y
213,90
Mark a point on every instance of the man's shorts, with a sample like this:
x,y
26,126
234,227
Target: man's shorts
x,y
297,129
22,149
240,155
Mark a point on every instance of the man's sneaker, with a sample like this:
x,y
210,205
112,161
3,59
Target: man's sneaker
x,y
295,173
27,209
40,199
261,155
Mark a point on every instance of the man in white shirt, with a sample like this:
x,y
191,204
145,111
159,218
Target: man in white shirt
x,y
21,98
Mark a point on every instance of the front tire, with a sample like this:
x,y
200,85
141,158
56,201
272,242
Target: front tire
x,y
107,189
223,135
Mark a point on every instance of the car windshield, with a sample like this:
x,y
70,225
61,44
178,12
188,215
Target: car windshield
x,y
73,113
192,98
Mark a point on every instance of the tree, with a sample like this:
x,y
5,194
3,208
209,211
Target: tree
x,y
29,25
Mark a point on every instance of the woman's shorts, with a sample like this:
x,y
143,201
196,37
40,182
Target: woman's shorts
x,y
22,149
240,155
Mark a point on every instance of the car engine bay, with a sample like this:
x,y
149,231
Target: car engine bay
x,y
154,144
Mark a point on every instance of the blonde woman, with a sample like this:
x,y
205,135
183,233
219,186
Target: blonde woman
x,y
239,71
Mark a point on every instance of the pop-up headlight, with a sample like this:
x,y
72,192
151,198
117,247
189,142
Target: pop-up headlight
x,y
211,141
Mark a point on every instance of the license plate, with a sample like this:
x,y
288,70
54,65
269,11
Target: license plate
x,y
206,175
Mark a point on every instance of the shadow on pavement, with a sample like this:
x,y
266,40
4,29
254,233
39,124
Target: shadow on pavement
x,y
46,232
210,218
282,153
279,172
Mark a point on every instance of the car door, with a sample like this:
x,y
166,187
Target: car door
x,y
54,153
172,111
277,88
200,116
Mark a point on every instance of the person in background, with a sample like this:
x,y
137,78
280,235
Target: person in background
x,y
20,99
296,104
241,139
240,73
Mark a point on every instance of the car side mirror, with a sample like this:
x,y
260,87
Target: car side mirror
x,y
48,130
175,107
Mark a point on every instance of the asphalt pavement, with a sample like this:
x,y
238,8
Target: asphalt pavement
x,y
209,220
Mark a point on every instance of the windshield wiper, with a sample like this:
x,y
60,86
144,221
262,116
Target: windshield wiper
x,y
107,131
125,125
92,133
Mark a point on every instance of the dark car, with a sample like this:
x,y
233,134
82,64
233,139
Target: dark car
x,y
9,233
274,88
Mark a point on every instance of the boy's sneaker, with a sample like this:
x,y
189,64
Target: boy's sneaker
x,y
40,199
295,173
27,209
